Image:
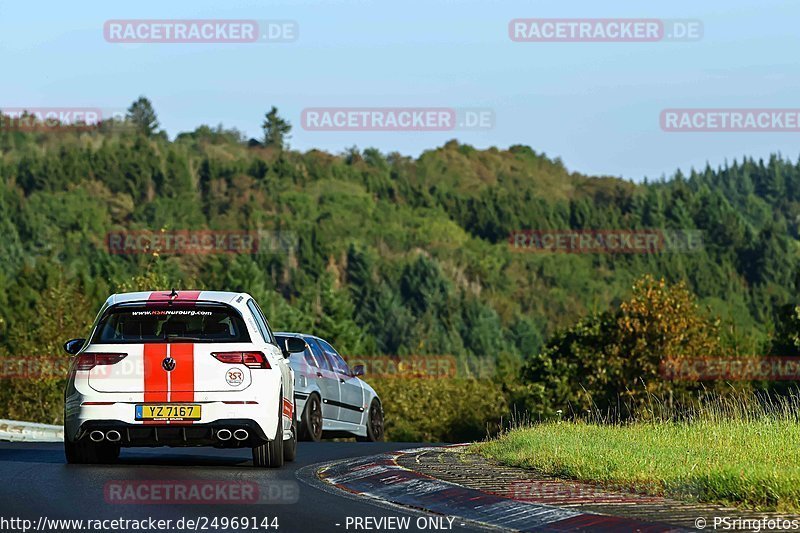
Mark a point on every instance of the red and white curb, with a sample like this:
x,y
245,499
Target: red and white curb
x,y
380,477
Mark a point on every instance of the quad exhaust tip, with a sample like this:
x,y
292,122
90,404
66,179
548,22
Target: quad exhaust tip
x,y
240,434
113,436
96,436
224,434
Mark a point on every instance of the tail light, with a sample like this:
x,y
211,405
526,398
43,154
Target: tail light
x,y
248,359
87,361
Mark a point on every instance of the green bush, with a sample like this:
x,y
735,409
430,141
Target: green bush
x,y
440,410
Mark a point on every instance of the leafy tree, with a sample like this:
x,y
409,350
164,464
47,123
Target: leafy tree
x,y
143,116
276,129
333,313
612,360
786,342
401,255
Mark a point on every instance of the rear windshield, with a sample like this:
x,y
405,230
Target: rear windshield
x,y
200,323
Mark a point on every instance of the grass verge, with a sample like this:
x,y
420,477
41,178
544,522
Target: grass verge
x,y
745,461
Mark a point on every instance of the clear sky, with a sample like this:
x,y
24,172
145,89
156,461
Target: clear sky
x,y
595,105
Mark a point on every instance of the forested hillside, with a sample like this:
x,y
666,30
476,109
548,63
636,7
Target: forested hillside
x,y
391,254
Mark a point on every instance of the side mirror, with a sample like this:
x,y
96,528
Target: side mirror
x,y
358,370
74,346
293,345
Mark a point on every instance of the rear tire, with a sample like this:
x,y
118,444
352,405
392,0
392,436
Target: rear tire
x,y
109,454
77,453
290,446
311,421
374,423
270,455
85,452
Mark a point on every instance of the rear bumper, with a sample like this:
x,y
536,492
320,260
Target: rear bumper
x,y
259,419
138,435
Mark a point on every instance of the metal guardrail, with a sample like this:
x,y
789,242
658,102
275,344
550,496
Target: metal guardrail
x,y
17,431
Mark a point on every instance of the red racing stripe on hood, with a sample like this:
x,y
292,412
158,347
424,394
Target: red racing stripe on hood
x,y
182,379
155,378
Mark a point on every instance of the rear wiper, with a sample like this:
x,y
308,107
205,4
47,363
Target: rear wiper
x,y
181,338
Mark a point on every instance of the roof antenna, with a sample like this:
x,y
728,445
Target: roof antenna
x,y
172,296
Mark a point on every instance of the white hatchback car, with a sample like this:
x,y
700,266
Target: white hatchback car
x,y
331,399
180,368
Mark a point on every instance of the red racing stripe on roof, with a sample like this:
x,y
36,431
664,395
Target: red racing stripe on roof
x,y
183,298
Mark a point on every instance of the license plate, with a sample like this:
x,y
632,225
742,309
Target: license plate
x,y
167,412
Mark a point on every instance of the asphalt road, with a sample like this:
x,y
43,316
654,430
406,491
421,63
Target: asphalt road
x,y
36,483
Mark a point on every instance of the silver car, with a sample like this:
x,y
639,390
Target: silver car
x,y
330,399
